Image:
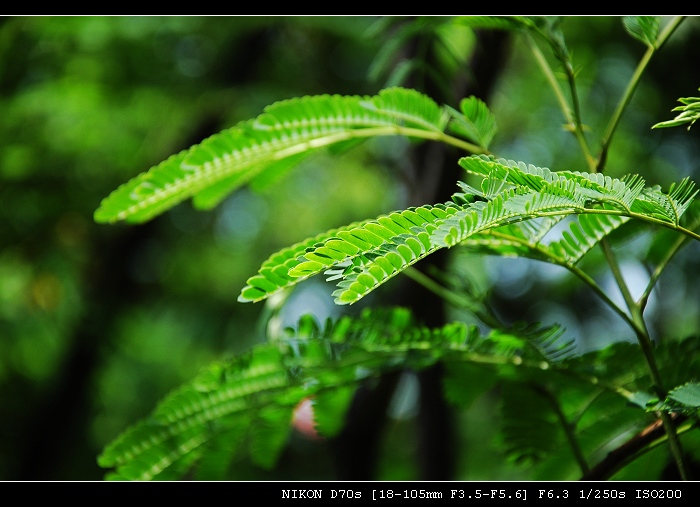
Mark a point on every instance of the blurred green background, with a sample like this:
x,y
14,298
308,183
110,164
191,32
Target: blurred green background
x,y
99,322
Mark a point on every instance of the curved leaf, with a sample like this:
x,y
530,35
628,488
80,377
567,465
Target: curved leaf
x,y
279,138
476,122
689,113
253,396
340,247
643,28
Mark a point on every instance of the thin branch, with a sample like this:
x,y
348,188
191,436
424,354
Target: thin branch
x,y
617,274
649,438
670,254
573,122
680,241
582,275
631,87
568,428
451,297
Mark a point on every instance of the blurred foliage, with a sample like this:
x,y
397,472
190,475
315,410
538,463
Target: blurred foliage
x,y
99,322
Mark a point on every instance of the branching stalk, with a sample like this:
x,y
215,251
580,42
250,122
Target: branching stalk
x,y
651,437
670,254
647,347
631,87
568,429
617,274
582,275
573,118
680,241
451,297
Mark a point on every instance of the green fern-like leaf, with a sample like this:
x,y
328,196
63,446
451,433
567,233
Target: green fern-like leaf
x,y
252,397
583,234
495,22
363,256
643,28
273,142
340,247
476,122
188,417
685,398
689,114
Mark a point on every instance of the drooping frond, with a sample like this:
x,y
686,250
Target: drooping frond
x,y
255,394
397,237
583,234
511,215
284,134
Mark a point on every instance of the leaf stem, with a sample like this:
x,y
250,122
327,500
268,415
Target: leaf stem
x,y
671,252
631,87
582,275
568,428
573,118
680,241
617,274
450,296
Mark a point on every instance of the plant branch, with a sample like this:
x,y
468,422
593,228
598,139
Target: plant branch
x,y
573,118
582,275
568,428
680,241
649,438
672,251
451,297
617,274
647,347
631,87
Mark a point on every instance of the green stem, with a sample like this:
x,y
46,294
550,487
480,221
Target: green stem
x,y
573,122
567,426
630,214
674,443
551,79
617,274
582,275
631,87
672,251
647,347
680,241
451,297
